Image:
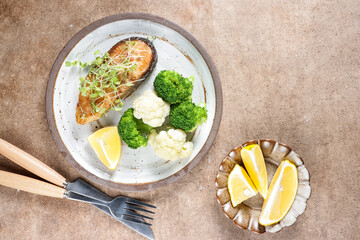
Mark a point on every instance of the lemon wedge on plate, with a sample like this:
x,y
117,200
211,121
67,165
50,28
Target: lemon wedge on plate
x,y
255,165
107,145
281,195
240,186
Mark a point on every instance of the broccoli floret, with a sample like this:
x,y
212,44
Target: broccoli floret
x,y
132,130
187,116
173,87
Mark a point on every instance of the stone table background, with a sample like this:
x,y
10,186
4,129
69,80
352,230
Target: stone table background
x,y
289,71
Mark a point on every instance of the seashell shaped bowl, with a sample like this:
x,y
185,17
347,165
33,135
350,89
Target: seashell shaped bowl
x,y
246,215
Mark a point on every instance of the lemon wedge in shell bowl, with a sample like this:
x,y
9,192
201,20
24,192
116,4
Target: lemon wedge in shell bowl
x,y
246,214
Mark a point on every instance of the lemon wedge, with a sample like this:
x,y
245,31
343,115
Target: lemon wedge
x,y
281,195
240,186
107,145
255,165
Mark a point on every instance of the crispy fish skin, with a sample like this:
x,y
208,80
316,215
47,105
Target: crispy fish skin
x,y
145,64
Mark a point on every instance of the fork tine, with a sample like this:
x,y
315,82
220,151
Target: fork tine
x,y
137,202
135,214
133,219
133,207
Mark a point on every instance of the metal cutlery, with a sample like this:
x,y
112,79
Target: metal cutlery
x,y
119,206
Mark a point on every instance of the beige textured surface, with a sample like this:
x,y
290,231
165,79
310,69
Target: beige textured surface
x,y
289,71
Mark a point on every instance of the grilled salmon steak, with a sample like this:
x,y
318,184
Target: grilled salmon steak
x,y
126,65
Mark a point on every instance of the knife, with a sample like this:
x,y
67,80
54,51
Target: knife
x,y
78,189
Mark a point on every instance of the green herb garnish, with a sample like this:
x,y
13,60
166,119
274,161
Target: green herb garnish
x,y
106,75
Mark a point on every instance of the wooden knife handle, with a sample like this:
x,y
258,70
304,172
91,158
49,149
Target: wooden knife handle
x,y
31,185
30,163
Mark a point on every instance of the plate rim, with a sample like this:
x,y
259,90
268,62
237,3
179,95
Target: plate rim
x,y
51,118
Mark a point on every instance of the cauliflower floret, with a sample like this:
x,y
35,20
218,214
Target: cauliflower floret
x,y
151,109
170,145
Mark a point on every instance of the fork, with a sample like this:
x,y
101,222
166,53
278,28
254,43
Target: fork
x,y
124,208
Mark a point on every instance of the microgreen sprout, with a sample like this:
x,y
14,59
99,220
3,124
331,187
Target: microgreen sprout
x,y
151,38
106,76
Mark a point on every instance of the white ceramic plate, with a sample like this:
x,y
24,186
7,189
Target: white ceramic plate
x,y
139,169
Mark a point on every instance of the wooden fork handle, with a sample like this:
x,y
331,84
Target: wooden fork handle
x,y
30,163
31,185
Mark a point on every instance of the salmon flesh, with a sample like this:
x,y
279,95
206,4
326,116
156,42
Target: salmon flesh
x,y
142,53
